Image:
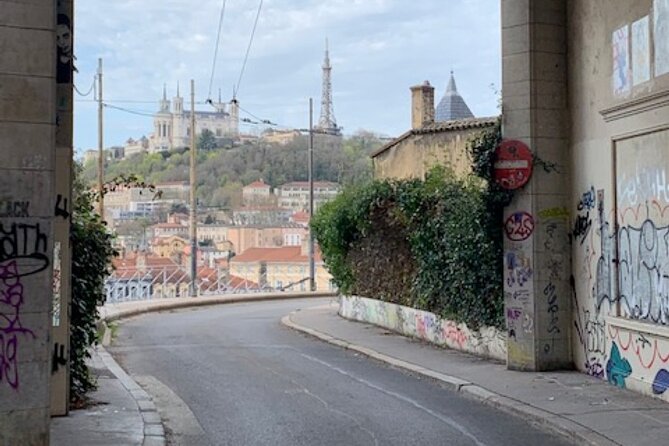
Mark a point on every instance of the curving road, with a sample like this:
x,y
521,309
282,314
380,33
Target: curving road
x,y
233,375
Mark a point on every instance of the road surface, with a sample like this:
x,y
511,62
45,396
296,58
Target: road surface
x,y
233,375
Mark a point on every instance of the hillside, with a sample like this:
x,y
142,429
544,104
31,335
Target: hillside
x,y
222,172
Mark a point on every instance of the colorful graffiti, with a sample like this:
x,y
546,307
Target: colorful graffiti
x,y
617,368
519,226
11,328
487,341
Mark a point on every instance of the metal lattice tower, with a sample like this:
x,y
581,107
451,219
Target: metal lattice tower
x,y
327,121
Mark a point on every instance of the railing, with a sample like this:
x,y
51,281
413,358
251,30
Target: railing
x,y
127,284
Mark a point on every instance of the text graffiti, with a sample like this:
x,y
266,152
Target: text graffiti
x,y
519,226
11,329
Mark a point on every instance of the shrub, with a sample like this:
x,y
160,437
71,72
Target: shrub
x,y
92,253
435,244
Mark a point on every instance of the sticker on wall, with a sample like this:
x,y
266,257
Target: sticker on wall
x,y
621,65
640,51
513,164
661,36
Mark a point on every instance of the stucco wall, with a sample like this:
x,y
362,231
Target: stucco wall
x,y
488,341
620,194
414,156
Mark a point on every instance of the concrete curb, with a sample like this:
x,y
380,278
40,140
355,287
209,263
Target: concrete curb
x,y
575,432
154,430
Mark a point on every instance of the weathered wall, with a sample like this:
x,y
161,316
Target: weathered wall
x,y
488,341
416,155
27,138
619,104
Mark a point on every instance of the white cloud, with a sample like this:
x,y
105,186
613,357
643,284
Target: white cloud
x,y
378,48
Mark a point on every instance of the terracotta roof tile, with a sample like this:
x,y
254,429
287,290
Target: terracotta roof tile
x,y
438,127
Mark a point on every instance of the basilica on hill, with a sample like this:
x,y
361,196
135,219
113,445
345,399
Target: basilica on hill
x,y
171,124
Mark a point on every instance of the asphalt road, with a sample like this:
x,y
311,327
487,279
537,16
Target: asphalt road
x,y
233,375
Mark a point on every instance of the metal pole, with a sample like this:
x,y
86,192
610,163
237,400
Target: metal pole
x,y
193,197
312,282
101,154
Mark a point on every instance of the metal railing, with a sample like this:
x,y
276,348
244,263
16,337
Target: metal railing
x,y
127,284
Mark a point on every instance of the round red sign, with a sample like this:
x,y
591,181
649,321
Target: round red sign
x,y
513,164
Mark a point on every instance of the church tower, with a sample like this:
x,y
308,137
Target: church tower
x,y
162,123
327,121
452,107
179,121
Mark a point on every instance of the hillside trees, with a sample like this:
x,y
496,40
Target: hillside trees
x,y
222,172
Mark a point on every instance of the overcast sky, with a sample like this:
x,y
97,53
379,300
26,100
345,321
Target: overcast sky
x,y
378,49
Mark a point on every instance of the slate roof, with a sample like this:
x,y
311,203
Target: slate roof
x,y
452,107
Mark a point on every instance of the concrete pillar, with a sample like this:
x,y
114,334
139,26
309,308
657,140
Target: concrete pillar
x,y
60,349
536,258
27,195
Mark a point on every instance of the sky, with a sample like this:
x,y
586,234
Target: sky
x,y
378,49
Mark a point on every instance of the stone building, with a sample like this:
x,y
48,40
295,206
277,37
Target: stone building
x,y
586,88
172,126
431,143
295,195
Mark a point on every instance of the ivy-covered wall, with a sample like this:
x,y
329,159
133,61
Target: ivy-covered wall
x,y
433,245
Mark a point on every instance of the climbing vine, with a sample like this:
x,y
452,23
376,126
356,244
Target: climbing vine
x,y
435,244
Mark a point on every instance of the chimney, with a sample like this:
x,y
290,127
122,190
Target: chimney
x,y
422,105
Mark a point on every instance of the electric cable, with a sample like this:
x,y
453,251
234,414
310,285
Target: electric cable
x,y
218,40
90,90
248,49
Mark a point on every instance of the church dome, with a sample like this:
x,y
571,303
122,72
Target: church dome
x,y
452,107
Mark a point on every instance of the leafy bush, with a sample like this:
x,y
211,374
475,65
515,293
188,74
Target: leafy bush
x,y
435,245
92,253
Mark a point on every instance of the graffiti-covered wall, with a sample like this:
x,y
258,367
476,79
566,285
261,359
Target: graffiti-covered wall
x,y
27,140
618,93
488,341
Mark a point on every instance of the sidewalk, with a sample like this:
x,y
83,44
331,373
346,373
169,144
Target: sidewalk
x,y
121,414
588,410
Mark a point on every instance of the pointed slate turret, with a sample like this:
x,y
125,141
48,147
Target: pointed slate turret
x,y
452,107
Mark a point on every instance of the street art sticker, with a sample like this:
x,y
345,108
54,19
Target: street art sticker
x,y
519,226
56,284
640,51
621,61
487,341
661,36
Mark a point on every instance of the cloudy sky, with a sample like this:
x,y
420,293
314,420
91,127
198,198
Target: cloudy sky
x,y
378,49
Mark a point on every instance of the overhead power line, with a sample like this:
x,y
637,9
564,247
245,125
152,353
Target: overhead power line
x,y
126,110
218,40
90,90
248,49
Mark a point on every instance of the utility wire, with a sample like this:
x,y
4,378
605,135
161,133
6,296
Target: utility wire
x,y
134,112
261,121
90,90
248,49
218,40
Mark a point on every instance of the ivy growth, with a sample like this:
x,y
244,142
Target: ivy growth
x,y
92,252
435,245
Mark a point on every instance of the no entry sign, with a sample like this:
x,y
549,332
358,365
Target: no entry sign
x,y
513,164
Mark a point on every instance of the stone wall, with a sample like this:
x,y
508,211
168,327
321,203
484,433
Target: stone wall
x,y
27,140
488,342
417,154
619,106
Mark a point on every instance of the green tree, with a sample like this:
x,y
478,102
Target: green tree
x,y
206,141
